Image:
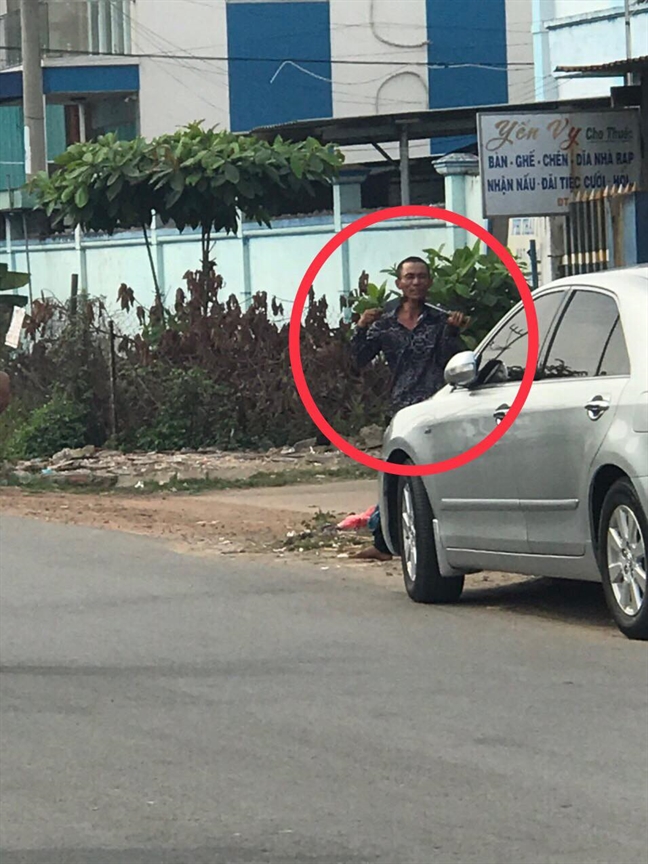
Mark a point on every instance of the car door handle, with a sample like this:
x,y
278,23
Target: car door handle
x,y
500,413
597,407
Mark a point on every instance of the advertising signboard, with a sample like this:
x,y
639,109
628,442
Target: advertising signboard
x,y
535,164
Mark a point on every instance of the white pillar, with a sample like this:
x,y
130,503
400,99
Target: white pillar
x,y
246,263
456,168
158,254
9,247
81,258
347,199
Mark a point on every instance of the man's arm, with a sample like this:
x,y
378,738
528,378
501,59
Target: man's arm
x,y
366,342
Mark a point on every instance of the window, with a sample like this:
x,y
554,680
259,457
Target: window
x,y
615,359
585,342
109,26
510,343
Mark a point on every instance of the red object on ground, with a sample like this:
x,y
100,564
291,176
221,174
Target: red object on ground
x,y
356,520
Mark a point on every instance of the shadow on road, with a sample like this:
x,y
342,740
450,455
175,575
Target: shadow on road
x,y
558,599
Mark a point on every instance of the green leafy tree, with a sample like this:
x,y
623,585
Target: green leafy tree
x,y
209,178
103,185
195,177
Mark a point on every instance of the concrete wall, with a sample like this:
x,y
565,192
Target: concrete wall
x,y
176,92
374,30
519,49
275,260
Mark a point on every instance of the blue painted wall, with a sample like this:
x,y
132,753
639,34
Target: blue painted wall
x,y
466,31
91,79
75,79
278,31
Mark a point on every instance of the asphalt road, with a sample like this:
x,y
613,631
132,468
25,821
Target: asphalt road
x,y
159,708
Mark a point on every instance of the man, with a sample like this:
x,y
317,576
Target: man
x,y
417,341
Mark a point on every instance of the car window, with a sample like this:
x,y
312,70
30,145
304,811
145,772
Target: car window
x,y
509,344
615,360
582,336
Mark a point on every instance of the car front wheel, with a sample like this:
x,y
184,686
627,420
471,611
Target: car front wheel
x,y
622,550
423,580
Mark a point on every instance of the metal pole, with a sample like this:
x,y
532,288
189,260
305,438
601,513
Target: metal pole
x,y
533,258
404,165
33,104
27,259
345,260
628,39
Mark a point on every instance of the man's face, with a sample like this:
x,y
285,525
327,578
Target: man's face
x,y
414,280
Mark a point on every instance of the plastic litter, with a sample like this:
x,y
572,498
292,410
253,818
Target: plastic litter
x,y
356,520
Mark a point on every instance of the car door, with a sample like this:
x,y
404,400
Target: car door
x,y
479,504
566,418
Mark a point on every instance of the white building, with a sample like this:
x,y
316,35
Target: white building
x,y
244,63
584,33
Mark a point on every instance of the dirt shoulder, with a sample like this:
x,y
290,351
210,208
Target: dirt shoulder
x,y
235,520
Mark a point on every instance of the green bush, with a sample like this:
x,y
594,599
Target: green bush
x,y
193,411
12,419
216,378
57,424
479,285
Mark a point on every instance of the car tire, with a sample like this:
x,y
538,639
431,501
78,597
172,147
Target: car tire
x,y
623,537
423,580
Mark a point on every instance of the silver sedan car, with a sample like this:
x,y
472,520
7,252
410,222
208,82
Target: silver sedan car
x,y
565,492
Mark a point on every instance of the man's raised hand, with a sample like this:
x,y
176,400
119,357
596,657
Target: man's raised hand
x,y
458,320
369,317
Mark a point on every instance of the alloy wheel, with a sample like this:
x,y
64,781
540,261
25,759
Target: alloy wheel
x,y
409,533
626,560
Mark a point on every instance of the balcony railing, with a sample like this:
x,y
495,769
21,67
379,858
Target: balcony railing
x,y
70,28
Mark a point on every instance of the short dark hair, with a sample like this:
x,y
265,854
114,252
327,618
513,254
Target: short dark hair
x,y
413,259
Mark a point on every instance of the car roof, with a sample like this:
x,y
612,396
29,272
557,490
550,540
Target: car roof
x,y
633,278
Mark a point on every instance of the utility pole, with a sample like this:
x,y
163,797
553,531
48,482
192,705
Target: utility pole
x,y
627,17
33,102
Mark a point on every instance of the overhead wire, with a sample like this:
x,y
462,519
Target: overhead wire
x,y
158,41
75,52
187,58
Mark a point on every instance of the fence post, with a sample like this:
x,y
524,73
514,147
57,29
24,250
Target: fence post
x,y
533,258
81,257
74,296
113,380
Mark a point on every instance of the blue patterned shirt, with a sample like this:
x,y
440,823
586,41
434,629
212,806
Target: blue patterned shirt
x,y
416,358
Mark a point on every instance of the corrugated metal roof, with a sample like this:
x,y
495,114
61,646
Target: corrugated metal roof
x,y
434,123
615,67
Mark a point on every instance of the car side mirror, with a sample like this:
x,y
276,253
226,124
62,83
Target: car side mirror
x,y
461,370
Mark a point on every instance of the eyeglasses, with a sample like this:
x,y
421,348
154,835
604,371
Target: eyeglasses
x,y
412,277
